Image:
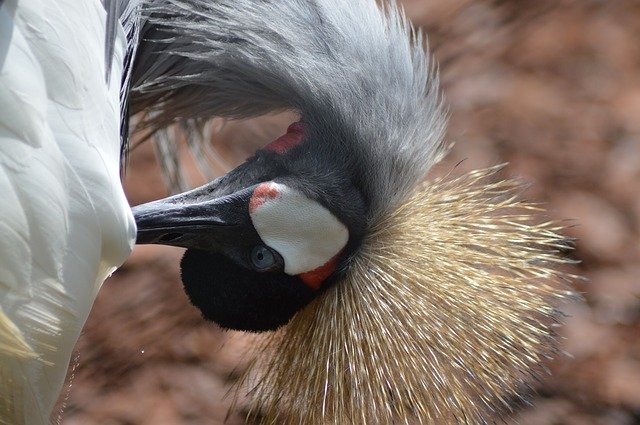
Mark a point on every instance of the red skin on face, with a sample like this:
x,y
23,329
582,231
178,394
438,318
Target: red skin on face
x,y
314,278
291,138
262,193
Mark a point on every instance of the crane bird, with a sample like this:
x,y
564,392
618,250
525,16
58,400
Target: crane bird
x,y
65,223
390,299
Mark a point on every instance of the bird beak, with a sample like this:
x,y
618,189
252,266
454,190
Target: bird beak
x,y
181,221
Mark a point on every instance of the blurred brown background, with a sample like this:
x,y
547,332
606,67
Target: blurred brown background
x,y
552,87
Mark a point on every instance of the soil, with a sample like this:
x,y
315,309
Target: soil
x,y
553,88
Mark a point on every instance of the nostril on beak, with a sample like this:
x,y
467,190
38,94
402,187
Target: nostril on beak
x,y
168,237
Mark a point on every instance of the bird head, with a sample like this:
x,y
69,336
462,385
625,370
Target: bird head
x,y
268,237
277,231
402,300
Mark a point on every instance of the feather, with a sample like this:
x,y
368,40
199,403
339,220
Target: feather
x,y
112,23
359,72
65,223
12,341
131,20
445,314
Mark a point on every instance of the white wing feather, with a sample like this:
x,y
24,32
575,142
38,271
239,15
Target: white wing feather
x,y
65,224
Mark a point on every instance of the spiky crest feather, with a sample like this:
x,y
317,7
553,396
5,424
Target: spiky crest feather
x,y
447,311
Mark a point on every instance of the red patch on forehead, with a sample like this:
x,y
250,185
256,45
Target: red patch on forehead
x,y
292,138
261,194
314,278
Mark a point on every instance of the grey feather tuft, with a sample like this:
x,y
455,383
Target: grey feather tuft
x,y
111,6
359,75
131,20
122,15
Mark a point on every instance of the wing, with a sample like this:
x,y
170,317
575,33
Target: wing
x,y
65,224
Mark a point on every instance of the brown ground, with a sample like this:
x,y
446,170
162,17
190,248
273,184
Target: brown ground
x,y
553,87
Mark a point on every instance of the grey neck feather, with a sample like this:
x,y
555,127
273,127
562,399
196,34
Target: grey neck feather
x,y
336,58
124,14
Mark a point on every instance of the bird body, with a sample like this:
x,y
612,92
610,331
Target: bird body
x,y
65,224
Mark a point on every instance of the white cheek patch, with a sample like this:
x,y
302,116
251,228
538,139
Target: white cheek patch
x,y
302,231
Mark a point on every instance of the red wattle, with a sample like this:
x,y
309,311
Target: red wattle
x,y
314,278
293,137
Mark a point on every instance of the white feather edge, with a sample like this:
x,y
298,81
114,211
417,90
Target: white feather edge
x,y
65,223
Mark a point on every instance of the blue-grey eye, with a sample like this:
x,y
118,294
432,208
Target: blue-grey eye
x,y
262,258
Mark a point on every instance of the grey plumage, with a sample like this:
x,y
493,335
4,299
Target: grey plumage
x,y
366,86
125,14
111,6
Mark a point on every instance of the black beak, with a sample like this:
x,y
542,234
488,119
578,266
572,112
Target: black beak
x,y
186,221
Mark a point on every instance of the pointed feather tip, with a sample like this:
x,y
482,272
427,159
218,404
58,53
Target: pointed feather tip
x,y
446,315
13,350
111,8
12,343
11,399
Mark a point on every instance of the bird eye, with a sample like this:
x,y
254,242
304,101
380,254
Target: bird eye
x,y
262,258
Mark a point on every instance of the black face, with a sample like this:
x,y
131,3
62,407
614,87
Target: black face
x,y
228,271
238,298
